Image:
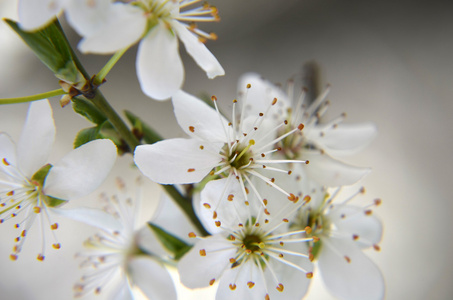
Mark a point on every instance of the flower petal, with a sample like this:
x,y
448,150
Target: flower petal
x,y
37,138
330,172
175,161
106,27
347,272
199,120
202,56
81,171
123,290
352,221
344,139
152,278
36,14
90,216
159,66
7,151
196,270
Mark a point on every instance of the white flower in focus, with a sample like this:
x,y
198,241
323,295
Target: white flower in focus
x,y
344,231
235,151
118,257
109,26
30,189
318,142
252,256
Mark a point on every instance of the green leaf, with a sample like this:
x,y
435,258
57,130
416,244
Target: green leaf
x,y
52,48
88,110
141,129
86,135
172,243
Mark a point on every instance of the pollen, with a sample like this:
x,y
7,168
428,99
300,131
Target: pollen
x,y
232,260
218,223
191,170
192,129
201,147
301,126
368,212
203,252
56,246
280,287
266,211
37,209
214,215
40,257
377,202
207,205
213,98
250,284
315,239
192,235
230,197
285,220
308,230
10,193
212,281
309,275
54,226
249,85
376,247
232,286
5,162
13,257
274,101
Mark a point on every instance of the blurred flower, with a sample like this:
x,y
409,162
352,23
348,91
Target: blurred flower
x,y
107,27
344,231
318,142
252,255
35,14
121,257
30,188
232,151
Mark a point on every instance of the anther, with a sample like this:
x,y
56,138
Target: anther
x,y
301,126
211,282
213,98
192,129
218,223
265,202
40,257
308,230
376,247
311,257
203,252
315,239
56,246
232,260
368,212
232,286
309,275
307,199
230,197
249,85
289,172
274,101
291,197
191,170
362,190
285,220
307,162
207,205
10,193
192,235
37,209
355,237
250,284
23,233
280,255
13,257
280,287
347,259
266,211
377,202
266,297
201,147
54,226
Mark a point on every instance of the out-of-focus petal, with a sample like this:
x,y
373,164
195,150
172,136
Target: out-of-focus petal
x,y
348,273
330,172
353,221
199,120
196,270
81,171
152,278
344,139
123,290
35,14
90,216
202,56
106,27
176,161
159,66
37,138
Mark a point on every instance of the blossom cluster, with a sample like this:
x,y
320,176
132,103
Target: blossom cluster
x,y
262,208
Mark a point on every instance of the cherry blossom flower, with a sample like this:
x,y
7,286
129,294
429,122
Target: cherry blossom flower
x,y
252,255
344,231
318,142
31,189
235,151
124,256
109,26
34,14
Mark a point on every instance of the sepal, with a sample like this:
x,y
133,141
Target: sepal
x,y
173,244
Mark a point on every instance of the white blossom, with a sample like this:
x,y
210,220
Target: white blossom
x,y
121,257
30,188
109,26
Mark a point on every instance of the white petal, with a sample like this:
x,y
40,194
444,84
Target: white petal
x,y
202,56
7,150
81,171
351,220
90,216
197,271
359,279
37,138
36,14
147,240
330,172
106,27
345,138
159,66
240,275
260,96
175,161
199,120
122,291
152,278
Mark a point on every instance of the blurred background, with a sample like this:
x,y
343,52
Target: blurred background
x,y
390,62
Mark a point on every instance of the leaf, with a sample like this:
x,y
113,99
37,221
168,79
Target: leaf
x,y
86,135
88,110
172,243
52,48
141,129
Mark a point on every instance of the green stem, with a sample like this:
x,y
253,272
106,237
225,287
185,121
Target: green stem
x,y
101,103
31,98
108,66
186,205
